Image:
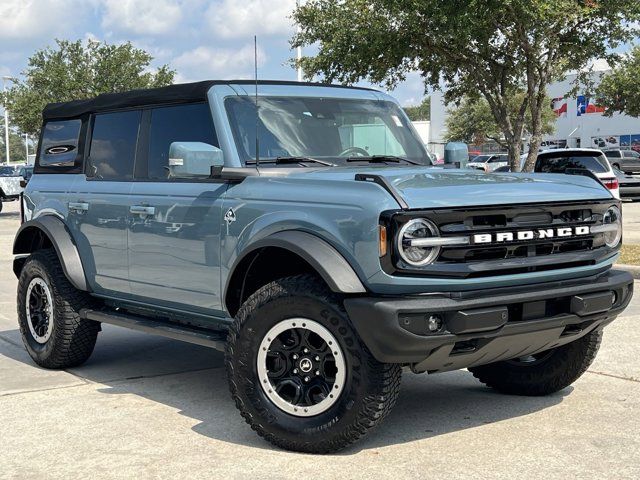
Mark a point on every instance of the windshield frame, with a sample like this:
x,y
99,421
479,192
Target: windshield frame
x,y
247,159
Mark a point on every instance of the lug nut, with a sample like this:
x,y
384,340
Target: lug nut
x,y
295,370
306,379
317,358
295,356
317,372
306,350
434,323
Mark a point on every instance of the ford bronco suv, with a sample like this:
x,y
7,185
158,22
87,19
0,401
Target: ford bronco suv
x,y
301,228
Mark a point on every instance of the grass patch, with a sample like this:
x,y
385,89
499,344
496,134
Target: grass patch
x,y
630,255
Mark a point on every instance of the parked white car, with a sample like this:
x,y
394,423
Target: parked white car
x,y
489,162
10,178
561,159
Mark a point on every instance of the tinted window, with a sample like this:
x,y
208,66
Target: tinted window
x,y
558,163
498,159
60,143
481,158
7,172
182,123
632,154
113,145
613,154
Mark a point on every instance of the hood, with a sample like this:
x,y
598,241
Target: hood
x,y
432,187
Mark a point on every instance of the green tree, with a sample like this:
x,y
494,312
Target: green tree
x,y
78,70
472,121
419,112
467,47
17,151
619,90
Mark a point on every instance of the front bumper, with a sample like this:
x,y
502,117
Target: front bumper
x,y
486,326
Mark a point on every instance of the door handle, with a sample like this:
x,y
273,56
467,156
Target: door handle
x,y
78,206
142,210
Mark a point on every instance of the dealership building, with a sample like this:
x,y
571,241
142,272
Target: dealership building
x,y
579,123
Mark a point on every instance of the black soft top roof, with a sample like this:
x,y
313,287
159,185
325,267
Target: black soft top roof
x,y
179,93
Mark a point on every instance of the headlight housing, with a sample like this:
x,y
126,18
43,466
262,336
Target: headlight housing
x,y
418,242
612,223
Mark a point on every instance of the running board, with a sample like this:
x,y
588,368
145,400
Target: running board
x,y
184,333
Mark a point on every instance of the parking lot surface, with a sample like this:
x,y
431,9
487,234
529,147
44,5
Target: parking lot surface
x,y
148,407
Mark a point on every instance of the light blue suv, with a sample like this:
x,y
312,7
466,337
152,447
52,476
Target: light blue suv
x,y
301,228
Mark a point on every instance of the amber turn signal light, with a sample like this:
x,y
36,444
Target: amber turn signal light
x,y
382,240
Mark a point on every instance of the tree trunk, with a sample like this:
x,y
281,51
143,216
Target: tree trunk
x,y
535,107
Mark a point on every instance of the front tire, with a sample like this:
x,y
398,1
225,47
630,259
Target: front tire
x,y
543,373
298,372
48,314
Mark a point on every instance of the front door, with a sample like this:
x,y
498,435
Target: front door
x,y
175,224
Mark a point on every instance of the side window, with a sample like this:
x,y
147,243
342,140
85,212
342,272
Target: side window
x,y
113,146
180,123
610,153
633,154
59,146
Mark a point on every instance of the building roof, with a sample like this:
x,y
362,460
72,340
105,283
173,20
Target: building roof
x,y
172,94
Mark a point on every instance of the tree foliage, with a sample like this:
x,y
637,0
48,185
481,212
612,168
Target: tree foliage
x,y
472,121
17,152
619,90
420,112
468,47
78,70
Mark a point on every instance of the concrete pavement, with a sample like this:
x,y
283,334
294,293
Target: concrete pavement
x,y
148,407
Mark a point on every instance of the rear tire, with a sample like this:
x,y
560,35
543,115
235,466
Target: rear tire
x,y
547,372
367,389
48,314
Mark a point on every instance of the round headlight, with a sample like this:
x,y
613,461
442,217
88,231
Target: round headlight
x,y
613,221
414,251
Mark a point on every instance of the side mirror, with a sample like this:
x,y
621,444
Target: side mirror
x,y
23,182
193,159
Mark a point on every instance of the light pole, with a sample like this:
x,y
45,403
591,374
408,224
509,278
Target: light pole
x,y
26,148
6,116
299,48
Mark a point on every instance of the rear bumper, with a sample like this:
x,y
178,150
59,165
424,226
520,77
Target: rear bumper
x,y
485,326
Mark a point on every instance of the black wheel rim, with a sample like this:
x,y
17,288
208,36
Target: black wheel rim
x,y
301,367
39,310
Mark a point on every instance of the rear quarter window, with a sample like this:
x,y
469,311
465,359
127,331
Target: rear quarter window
x,y
560,163
59,144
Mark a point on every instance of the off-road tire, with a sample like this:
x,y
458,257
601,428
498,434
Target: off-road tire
x,y
72,340
370,391
557,371
1,205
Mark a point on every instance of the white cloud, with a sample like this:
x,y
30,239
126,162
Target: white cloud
x,y
143,17
217,63
234,19
26,19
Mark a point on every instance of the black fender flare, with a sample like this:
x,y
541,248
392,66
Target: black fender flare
x,y
323,258
60,237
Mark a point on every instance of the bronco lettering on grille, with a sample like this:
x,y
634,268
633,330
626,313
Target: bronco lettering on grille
x,y
524,235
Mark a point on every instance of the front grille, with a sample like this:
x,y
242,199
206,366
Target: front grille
x,y
509,257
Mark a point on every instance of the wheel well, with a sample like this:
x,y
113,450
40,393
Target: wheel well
x,y
29,240
259,268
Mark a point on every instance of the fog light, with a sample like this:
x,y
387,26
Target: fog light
x,y
434,323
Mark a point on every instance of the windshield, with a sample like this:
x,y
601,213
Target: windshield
x,y
559,162
8,172
480,159
330,129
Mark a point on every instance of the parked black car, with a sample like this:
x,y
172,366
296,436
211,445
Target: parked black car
x,y
629,185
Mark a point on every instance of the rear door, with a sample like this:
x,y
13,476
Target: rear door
x,y
174,234
98,201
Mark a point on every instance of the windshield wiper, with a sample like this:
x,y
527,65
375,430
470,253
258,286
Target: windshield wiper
x,y
382,159
292,159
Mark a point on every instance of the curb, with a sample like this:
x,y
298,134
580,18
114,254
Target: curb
x,y
632,269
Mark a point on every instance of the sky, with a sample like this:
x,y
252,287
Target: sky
x,y
201,39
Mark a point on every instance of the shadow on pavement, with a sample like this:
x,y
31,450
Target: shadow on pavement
x,y
192,379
